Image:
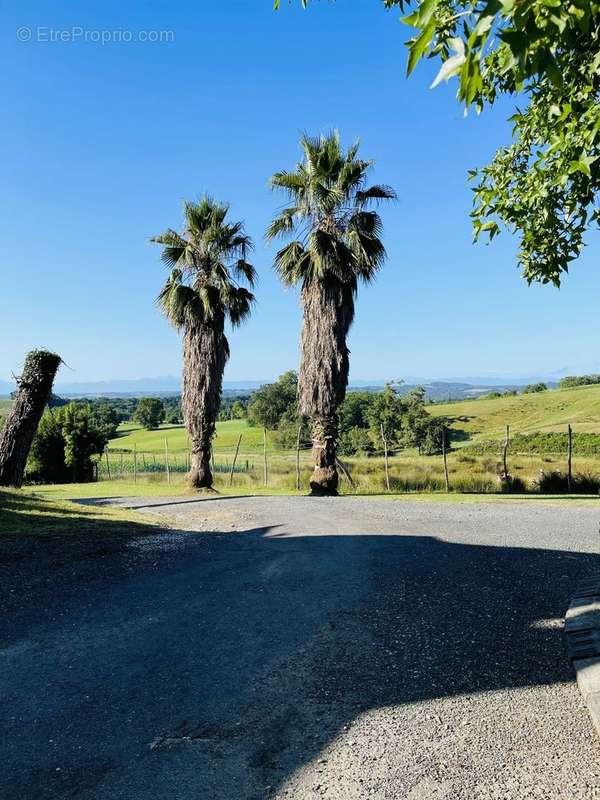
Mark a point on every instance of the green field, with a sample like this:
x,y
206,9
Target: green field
x,y
527,413
225,441
4,407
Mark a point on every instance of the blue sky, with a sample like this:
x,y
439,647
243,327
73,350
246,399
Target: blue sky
x,y
102,142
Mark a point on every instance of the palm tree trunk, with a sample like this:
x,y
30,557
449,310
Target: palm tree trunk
x,y
324,479
205,353
34,389
200,474
323,378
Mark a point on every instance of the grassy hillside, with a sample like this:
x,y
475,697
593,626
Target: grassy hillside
x,y
547,411
176,436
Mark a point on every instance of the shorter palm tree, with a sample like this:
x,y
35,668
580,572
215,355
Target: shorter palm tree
x,y
337,243
207,260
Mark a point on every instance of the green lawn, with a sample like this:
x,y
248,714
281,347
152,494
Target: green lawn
x,y
40,514
547,411
225,441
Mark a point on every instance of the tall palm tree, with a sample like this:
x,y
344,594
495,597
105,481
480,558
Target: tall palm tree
x,y
337,242
207,259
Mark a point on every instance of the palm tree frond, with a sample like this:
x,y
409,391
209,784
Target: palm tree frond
x,y
379,192
290,262
245,270
239,306
293,183
283,224
180,303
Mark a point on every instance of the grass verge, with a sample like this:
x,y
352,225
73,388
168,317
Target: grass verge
x,y
34,514
119,489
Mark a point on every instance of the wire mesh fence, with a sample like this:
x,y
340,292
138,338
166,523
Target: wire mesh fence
x,y
246,467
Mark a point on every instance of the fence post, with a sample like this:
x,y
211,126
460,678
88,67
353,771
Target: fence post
x,y
107,463
237,449
298,458
134,464
385,457
167,461
569,460
265,465
506,441
445,459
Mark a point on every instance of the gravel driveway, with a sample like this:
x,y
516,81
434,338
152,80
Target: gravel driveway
x,y
299,648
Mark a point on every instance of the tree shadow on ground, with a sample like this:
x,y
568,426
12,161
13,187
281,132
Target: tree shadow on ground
x,y
137,505
191,665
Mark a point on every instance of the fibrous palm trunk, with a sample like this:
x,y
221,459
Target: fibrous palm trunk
x,y
328,312
205,353
33,393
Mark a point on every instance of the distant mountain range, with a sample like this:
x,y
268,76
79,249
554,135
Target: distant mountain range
x,y
163,386
451,389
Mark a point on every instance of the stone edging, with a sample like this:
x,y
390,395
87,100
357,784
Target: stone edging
x,y
582,634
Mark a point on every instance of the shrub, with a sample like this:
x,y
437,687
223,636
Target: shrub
x,y
584,444
46,463
514,485
68,443
534,388
556,482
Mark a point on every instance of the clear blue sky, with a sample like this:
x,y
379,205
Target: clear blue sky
x,y
101,143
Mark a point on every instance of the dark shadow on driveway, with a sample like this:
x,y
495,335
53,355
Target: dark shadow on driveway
x,y
179,665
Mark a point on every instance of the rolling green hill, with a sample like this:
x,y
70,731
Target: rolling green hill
x,y
528,413
176,436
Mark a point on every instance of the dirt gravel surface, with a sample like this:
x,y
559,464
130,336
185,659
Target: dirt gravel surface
x,y
277,647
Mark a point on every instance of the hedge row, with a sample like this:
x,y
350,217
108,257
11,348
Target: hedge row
x,y
584,444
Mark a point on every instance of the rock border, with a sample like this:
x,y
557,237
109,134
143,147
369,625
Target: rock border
x,y
582,635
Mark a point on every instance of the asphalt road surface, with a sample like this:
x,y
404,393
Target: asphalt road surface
x,y
299,648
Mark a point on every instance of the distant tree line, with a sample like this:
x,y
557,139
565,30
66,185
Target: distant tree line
x,y
579,380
